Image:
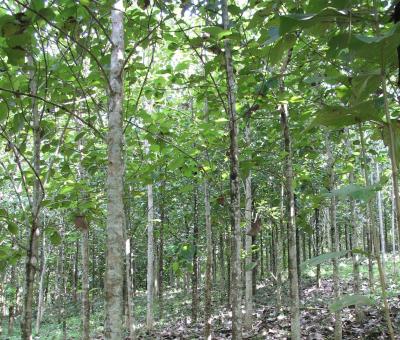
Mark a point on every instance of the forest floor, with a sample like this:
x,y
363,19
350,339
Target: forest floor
x,y
316,320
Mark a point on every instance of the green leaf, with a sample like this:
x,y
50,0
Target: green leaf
x,y
16,56
214,31
12,228
250,266
338,116
356,192
19,40
323,258
292,22
350,300
3,111
55,238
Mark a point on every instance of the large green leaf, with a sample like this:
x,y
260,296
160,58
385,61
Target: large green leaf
x,y
323,258
356,191
292,22
379,48
396,135
350,300
337,116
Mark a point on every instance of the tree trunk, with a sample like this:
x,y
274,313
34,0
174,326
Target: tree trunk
x,y
85,284
317,244
334,237
355,256
248,238
32,253
41,284
150,254
114,276
161,249
208,286
291,221
236,287
195,259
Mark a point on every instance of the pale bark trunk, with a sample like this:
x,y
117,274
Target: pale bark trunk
x,y
236,286
84,228
334,237
150,254
369,223
355,257
85,284
208,286
130,324
161,250
114,277
41,284
248,240
293,275
195,260
374,239
32,254
394,231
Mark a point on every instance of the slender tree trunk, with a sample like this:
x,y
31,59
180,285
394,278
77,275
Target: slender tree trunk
x,y
161,249
222,265
129,311
195,260
248,239
82,225
41,284
236,287
291,221
355,256
11,307
32,253
85,284
317,243
208,286
114,277
150,254
75,274
334,237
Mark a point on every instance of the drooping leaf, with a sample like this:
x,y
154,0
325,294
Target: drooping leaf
x,y
323,258
350,300
356,192
292,22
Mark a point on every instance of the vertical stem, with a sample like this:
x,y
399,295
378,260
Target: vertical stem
x,y
150,254
195,259
208,287
32,253
334,238
248,238
291,222
236,287
114,276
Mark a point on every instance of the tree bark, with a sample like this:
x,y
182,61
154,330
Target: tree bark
x,y
114,277
195,259
150,254
32,253
43,269
236,287
208,285
291,222
248,239
334,236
